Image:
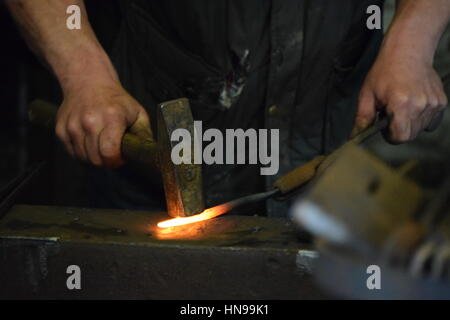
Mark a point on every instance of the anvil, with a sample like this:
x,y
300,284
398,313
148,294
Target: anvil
x,y
122,254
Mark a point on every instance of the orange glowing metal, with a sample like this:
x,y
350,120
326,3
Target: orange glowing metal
x,y
217,210
205,215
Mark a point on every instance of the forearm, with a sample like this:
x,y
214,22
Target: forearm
x,y
75,56
417,28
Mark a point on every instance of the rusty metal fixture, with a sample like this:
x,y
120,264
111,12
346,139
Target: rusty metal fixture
x,y
358,201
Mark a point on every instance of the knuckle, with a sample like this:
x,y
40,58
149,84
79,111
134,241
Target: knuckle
x,y
90,121
112,112
419,103
400,99
72,129
435,104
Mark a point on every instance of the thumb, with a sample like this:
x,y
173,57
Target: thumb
x,y
366,111
141,127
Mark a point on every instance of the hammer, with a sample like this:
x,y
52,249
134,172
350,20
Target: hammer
x,y
182,183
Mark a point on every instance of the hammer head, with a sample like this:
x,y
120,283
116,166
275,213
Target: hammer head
x,y
182,182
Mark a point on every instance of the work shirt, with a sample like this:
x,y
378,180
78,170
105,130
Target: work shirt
x,y
292,65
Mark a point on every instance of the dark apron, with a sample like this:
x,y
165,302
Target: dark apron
x,y
291,65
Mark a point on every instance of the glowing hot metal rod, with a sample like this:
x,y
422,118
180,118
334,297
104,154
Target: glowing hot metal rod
x,y
217,210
